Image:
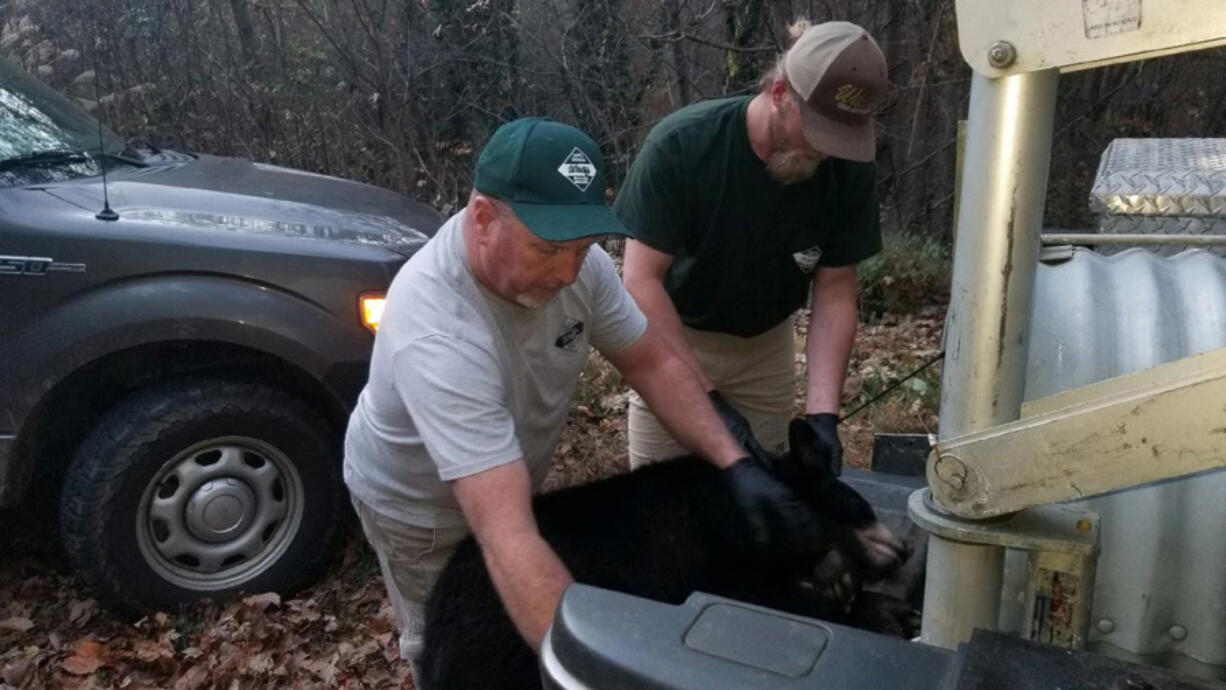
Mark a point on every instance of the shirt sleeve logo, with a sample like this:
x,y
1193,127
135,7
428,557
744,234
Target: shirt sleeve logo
x,y
569,335
807,260
579,169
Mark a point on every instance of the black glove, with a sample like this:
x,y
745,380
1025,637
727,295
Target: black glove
x,y
780,524
826,443
738,426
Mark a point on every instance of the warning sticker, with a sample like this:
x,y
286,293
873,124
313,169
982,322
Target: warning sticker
x,y
1109,17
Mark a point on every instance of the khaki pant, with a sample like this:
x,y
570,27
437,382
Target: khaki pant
x,y
411,559
757,375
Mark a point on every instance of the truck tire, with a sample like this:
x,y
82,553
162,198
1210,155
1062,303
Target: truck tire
x,y
202,489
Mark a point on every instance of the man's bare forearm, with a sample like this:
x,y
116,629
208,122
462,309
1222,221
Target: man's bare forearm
x,y
530,578
653,299
677,398
528,575
832,331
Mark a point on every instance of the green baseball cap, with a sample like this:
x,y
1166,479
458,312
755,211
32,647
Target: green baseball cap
x,y
553,177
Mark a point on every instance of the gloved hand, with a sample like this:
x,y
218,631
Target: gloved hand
x,y
780,523
829,448
738,426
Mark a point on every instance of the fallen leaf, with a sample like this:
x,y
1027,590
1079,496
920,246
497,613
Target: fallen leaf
x,y
260,664
302,611
263,601
80,611
369,647
321,670
16,623
88,657
194,678
149,651
19,672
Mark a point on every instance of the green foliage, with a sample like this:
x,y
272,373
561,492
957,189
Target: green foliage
x,y
910,273
919,394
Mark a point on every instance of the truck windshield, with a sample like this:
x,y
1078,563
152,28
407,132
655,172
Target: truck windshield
x,y
35,120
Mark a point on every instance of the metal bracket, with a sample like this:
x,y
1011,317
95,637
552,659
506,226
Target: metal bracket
x,y
1002,37
1062,548
1156,424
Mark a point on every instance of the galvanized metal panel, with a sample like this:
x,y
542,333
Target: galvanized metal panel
x,y
1162,573
1161,177
1161,186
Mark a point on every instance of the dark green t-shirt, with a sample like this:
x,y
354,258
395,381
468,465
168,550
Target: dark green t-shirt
x,y
744,245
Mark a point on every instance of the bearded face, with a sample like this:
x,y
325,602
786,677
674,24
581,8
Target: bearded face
x,y
791,160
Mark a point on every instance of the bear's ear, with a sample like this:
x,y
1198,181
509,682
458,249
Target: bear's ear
x,y
801,439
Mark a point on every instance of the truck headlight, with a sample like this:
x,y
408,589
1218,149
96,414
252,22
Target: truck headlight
x,y
370,307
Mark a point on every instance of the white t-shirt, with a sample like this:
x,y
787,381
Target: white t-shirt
x,y
462,381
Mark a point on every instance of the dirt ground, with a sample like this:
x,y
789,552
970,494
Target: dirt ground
x,y
340,633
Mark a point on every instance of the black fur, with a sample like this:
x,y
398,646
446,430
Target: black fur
x,y
661,532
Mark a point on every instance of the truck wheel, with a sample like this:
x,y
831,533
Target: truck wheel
x,y
201,489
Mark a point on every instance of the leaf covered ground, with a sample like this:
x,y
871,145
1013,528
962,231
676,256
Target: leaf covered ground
x,y
340,633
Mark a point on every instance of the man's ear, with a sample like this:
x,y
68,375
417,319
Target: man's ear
x,y
779,93
801,439
484,213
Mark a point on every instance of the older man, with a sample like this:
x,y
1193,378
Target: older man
x,y
485,334
742,208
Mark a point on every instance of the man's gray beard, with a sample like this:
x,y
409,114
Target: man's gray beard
x,y
791,167
530,302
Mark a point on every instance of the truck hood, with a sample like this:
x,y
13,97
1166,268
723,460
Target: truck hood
x,y
227,194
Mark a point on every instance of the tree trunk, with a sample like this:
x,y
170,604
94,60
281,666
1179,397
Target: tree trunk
x,y
246,32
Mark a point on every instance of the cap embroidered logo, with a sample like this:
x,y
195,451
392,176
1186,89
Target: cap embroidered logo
x,y
854,98
578,168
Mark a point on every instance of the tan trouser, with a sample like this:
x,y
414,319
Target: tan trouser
x,y
756,375
411,559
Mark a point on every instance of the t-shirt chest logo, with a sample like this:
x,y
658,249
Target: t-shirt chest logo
x,y
807,260
568,337
578,168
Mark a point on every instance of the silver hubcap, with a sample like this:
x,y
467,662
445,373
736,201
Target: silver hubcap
x,y
219,513
220,509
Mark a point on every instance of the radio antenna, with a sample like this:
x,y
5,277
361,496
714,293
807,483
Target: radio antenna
x,y
106,213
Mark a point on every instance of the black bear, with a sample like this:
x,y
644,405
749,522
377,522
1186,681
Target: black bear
x,y
663,532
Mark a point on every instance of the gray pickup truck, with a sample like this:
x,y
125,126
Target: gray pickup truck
x,y
178,379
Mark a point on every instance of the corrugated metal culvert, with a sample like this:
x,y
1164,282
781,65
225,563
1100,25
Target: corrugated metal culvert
x,y
1161,588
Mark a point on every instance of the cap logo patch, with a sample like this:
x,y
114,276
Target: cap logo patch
x,y
853,98
578,168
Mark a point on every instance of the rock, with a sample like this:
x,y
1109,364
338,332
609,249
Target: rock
x,y
84,85
68,57
10,37
42,53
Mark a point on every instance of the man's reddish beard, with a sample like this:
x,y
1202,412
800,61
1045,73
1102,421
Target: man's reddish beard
x,y
788,166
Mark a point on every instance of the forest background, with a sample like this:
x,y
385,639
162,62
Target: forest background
x,y
403,94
